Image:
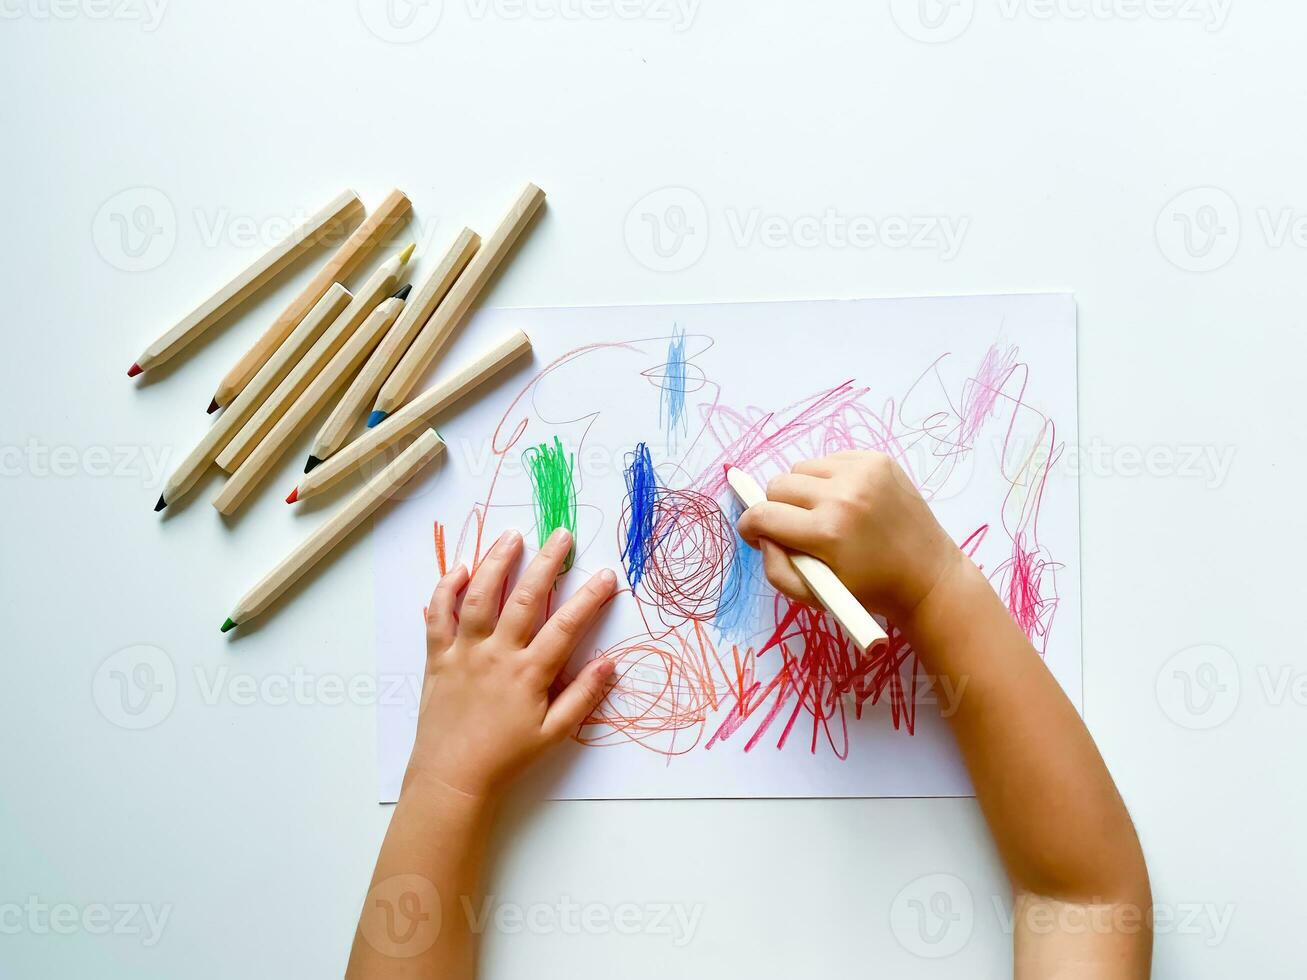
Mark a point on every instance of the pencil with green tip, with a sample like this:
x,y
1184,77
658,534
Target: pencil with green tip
x,y
316,546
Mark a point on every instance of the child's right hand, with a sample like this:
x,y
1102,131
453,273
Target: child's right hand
x,y
860,514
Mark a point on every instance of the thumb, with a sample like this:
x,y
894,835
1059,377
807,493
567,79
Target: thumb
x,y
578,699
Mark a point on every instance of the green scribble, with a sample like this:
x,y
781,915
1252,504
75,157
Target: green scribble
x,y
554,492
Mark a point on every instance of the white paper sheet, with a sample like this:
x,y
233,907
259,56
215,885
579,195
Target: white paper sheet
x,y
976,398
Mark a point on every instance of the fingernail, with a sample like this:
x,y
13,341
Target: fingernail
x,y
606,578
560,535
507,539
606,668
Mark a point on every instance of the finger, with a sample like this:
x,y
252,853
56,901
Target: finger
x,y
442,623
526,606
797,489
815,467
564,629
481,601
782,574
576,701
789,526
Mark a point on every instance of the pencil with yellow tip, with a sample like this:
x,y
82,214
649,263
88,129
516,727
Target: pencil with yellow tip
x,y
421,305
323,540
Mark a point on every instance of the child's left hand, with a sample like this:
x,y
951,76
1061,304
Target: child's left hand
x,y
486,711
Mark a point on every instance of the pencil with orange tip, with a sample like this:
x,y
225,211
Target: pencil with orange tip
x,y
323,540
323,225
375,229
816,574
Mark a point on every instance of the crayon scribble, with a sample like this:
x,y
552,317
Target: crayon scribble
x,y
721,658
641,494
554,491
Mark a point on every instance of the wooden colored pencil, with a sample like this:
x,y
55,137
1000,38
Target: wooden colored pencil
x,y
816,574
353,406
229,422
331,306
420,307
328,381
412,416
353,253
318,544
325,224
438,330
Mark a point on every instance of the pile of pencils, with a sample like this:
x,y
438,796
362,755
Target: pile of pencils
x,y
374,344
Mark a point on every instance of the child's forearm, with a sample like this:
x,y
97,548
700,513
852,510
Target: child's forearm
x,y
413,921
1058,821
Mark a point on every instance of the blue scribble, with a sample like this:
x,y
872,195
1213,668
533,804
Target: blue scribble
x,y
737,613
641,495
671,401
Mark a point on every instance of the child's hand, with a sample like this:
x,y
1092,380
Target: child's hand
x,y
860,514
486,710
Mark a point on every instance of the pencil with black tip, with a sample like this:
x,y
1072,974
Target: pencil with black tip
x,y
323,225
318,544
282,362
338,370
420,306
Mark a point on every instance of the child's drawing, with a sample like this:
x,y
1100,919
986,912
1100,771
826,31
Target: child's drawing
x,y
623,442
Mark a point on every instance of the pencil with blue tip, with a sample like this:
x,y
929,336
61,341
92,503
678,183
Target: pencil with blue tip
x,y
439,329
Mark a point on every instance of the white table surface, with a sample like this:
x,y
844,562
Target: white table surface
x,y
1056,141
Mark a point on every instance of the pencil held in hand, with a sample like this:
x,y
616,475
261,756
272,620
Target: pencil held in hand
x,y
817,575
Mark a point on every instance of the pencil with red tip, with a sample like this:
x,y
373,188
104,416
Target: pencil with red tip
x,y
816,574
326,222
